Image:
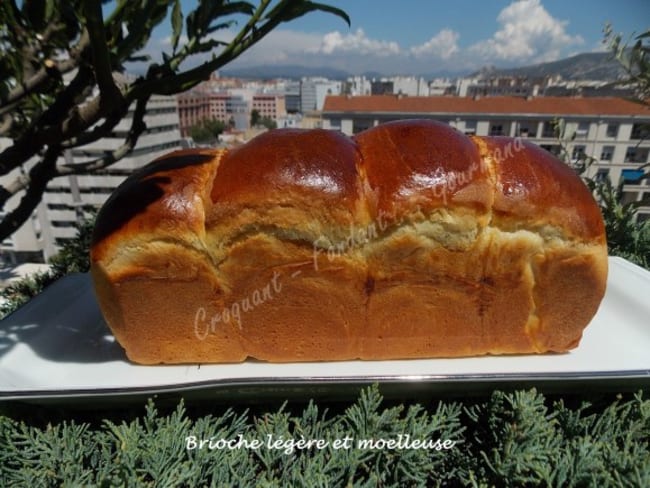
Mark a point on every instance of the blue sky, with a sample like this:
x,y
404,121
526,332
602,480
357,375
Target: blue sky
x,y
417,36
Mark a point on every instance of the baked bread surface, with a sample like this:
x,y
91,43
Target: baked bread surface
x,y
408,240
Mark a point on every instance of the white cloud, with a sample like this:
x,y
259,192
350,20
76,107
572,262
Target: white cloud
x,y
282,45
527,33
356,42
279,46
443,45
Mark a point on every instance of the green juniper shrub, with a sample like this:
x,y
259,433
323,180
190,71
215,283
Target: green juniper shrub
x,y
507,439
72,258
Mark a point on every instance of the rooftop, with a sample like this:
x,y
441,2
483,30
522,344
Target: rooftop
x,y
606,106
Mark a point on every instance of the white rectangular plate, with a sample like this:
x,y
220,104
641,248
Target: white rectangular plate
x,y
58,346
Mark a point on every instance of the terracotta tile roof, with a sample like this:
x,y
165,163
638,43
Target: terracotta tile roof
x,y
606,106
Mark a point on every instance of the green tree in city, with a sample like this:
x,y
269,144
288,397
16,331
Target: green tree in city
x,y
255,117
257,120
207,131
268,122
634,59
58,88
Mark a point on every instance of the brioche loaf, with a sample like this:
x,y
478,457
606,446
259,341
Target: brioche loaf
x,y
408,240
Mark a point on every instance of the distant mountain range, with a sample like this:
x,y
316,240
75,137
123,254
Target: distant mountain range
x,y
586,66
591,66
292,71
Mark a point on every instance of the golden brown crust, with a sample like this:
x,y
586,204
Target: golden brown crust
x,y
407,240
533,185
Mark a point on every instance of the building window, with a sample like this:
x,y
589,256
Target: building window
x,y
629,197
549,129
63,223
578,152
527,129
612,130
496,129
640,131
582,130
636,154
602,174
470,127
552,148
335,123
361,125
607,153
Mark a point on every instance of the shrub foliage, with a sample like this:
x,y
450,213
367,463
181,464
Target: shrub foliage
x,y
508,439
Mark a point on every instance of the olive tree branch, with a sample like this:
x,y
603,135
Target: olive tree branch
x,y
137,127
50,69
39,176
250,34
74,117
49,128
109,92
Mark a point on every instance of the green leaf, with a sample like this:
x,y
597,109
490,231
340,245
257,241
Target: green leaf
x,y
139,58
208,45
244,8
287,11
329,9
223,25
50,9
177,24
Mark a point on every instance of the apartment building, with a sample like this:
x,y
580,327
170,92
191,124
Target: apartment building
x,y
313,92
269,105
292,98
193,107
217,108
611,130
197,106
358,85
66,198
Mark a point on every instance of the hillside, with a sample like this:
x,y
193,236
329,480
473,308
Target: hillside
x,y
585,66
284,71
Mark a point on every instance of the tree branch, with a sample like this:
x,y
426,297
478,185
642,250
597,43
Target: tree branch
x,y
74,117
7,124
137,127
101,56
19,183
48,129
31,182
39,176
50,70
